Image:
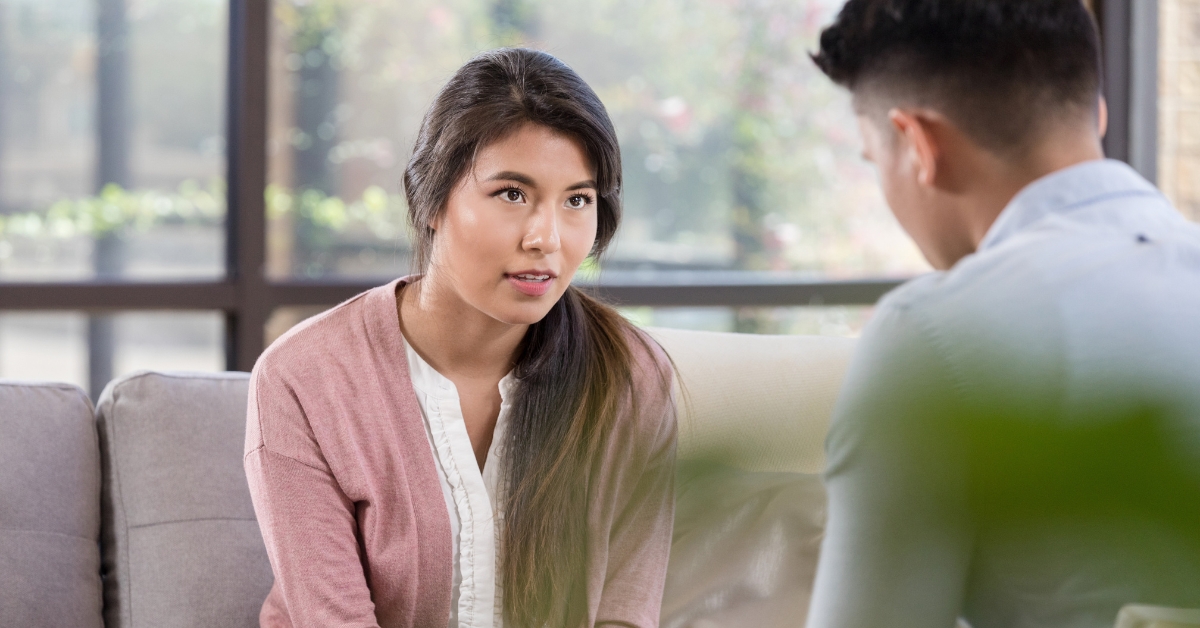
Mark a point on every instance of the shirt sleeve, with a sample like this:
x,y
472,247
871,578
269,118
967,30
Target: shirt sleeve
x,y
639,541
897,543
307,522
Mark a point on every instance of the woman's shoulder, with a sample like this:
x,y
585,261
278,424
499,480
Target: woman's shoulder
x,y
339,335
318,339
652,377
649,361
324,380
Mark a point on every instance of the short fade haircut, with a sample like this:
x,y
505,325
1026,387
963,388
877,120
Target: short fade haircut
x,y
1002,70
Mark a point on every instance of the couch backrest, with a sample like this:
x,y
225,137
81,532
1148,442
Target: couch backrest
x,y
49,507
756,402
181,544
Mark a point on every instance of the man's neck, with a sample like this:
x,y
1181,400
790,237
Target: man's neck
x,y
1002,179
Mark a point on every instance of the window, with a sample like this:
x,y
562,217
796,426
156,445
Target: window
x,y
759,183
112,167
237,163
739,155
61,346
1179,104
112,139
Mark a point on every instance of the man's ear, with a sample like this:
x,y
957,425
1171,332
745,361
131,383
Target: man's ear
x,y
1102,116
916,129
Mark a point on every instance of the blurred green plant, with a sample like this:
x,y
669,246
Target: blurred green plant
x,y
383,215
311,22
116,209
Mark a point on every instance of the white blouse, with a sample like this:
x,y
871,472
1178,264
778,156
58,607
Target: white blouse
x,y
471,495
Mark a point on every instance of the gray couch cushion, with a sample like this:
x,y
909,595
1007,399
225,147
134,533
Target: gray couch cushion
x,y
181,543
49,507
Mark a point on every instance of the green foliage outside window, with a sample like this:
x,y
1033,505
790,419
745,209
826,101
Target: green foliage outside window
x,y
115,210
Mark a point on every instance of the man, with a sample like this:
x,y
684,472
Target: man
x,y
1018,439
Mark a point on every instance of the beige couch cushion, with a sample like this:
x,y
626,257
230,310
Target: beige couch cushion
x,y
49,507
750,505
181,543
756,402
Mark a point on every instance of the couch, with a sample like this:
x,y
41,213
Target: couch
x,y
137,513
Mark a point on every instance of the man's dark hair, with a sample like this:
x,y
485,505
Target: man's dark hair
x,y
1000,69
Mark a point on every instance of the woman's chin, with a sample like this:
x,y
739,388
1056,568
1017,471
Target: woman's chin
x,y
524,311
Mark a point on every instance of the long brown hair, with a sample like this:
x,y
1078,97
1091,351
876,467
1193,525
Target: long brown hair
x,y
574,368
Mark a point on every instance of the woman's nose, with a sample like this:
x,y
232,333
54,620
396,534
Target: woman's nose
x,y
541,234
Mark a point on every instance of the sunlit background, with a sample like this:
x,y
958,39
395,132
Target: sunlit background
x,y
739,156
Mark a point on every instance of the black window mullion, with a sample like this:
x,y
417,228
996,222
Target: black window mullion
x,y
247,177
1129,50
1115,20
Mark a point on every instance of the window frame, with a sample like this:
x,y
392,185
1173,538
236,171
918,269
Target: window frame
x,y
1129,31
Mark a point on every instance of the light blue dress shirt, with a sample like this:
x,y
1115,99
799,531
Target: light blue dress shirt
x,y
1018,438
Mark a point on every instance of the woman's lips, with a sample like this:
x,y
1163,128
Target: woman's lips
x,y
531,284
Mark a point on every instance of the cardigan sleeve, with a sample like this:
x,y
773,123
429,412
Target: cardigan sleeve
x,y
308,522
643,484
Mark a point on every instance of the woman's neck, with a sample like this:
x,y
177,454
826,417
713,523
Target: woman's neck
x,y
453,336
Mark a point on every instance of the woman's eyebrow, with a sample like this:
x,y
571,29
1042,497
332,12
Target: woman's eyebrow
x,y
508,175
583,185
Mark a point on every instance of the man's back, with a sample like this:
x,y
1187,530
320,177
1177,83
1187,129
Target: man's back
x,y
1020,440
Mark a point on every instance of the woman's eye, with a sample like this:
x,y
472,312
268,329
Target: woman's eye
x,y
579,201
513,196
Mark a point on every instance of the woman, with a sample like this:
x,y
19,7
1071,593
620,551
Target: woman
x,y
481,444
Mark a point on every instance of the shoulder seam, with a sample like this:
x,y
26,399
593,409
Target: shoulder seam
x,y
268,450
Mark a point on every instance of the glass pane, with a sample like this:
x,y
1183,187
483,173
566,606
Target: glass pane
x,y
1179,104
44,346
55,346
739,155
162,341
112,155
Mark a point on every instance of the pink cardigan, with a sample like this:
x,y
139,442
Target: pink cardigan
x,y
348,497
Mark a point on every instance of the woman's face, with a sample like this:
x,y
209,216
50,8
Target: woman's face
x,y
517,226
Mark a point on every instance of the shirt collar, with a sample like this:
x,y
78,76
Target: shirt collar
x,y
1063,191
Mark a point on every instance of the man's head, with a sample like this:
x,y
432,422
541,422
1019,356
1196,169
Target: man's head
x,y
963,102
